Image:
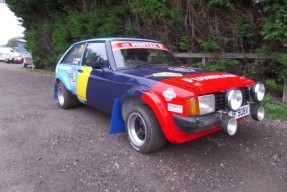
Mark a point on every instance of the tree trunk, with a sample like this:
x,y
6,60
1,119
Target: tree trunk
x,y
284,98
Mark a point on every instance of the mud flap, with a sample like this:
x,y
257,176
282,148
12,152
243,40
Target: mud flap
x,y
56,93
117,124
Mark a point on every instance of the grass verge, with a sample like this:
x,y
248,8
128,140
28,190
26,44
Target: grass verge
x,y
41,71
274,109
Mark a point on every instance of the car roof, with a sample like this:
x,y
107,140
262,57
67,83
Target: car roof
x,y
117,39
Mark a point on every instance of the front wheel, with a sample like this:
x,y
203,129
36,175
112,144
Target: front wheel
x,y
144,132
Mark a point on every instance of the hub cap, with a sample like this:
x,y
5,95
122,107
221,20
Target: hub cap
x,y
61,98
136,129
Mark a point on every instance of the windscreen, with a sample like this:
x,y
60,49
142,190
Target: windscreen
x,y
133,54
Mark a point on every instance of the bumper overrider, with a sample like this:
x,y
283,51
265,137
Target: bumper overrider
x,y
224,118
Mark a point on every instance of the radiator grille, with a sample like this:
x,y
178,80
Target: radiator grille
x,y
220,98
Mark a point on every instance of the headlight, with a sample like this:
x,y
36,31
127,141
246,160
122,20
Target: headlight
x,y
258,92
234,99
202,105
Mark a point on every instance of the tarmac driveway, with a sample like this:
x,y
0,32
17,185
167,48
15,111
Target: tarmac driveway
x,y
44,148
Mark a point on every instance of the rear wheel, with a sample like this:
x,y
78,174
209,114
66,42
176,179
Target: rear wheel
x,y
144,132
65,98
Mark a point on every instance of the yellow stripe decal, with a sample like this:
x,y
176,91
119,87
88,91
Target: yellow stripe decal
x,y
82,83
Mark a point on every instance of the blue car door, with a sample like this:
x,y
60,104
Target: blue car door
x,y
69,66
100,86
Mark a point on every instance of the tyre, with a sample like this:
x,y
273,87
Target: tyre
x,y
143,129
65,98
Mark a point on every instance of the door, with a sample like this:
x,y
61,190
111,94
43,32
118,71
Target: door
x,y
70,65
96,78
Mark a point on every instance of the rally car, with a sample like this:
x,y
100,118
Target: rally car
x,y
150,94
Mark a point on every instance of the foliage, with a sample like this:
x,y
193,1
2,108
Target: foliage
x,y
191,26
183,44
224,65
275,26
243,29
208,45
274,109
264,50
221,65
225,3
253,69
280,65
151,8
272,84
13,42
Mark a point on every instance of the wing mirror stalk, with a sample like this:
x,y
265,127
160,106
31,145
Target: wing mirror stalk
x,y
98,67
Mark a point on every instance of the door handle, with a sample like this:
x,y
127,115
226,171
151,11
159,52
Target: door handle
x,y
80,70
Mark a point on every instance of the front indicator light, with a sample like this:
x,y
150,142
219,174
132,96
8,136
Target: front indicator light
x,y
193,106
201,105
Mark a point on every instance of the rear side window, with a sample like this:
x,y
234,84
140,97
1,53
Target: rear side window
x,y
74,55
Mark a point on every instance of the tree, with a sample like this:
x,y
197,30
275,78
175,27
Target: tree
x,y
280,64
202,25
13,42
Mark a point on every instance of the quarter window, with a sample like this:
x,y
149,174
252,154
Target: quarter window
x,y
74,56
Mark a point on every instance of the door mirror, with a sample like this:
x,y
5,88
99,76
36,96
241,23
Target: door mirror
x,y
97,63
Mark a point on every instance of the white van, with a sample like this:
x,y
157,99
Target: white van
x,y
8,54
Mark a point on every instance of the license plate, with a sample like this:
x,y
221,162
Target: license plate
x,y
241,112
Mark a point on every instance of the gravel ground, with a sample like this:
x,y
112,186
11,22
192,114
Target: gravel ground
x,y
44,148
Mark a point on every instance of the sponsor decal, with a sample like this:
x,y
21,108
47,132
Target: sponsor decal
x,y
76,60
181,69
188,80
167,74
82,48
174,108
208,77
137,44
73,76
169,94
73,83
197,84
66,68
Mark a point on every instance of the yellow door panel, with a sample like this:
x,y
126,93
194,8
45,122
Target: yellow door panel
x,y
82,82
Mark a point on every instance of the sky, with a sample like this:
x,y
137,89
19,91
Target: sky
x,y
9,25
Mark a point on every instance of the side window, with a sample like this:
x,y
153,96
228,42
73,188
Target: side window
x,y
74,55
96,55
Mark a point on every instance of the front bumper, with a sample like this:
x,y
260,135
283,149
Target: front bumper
x,y
196,123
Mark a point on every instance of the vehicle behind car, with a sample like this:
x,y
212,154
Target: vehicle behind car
x,y
27,59
8,55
